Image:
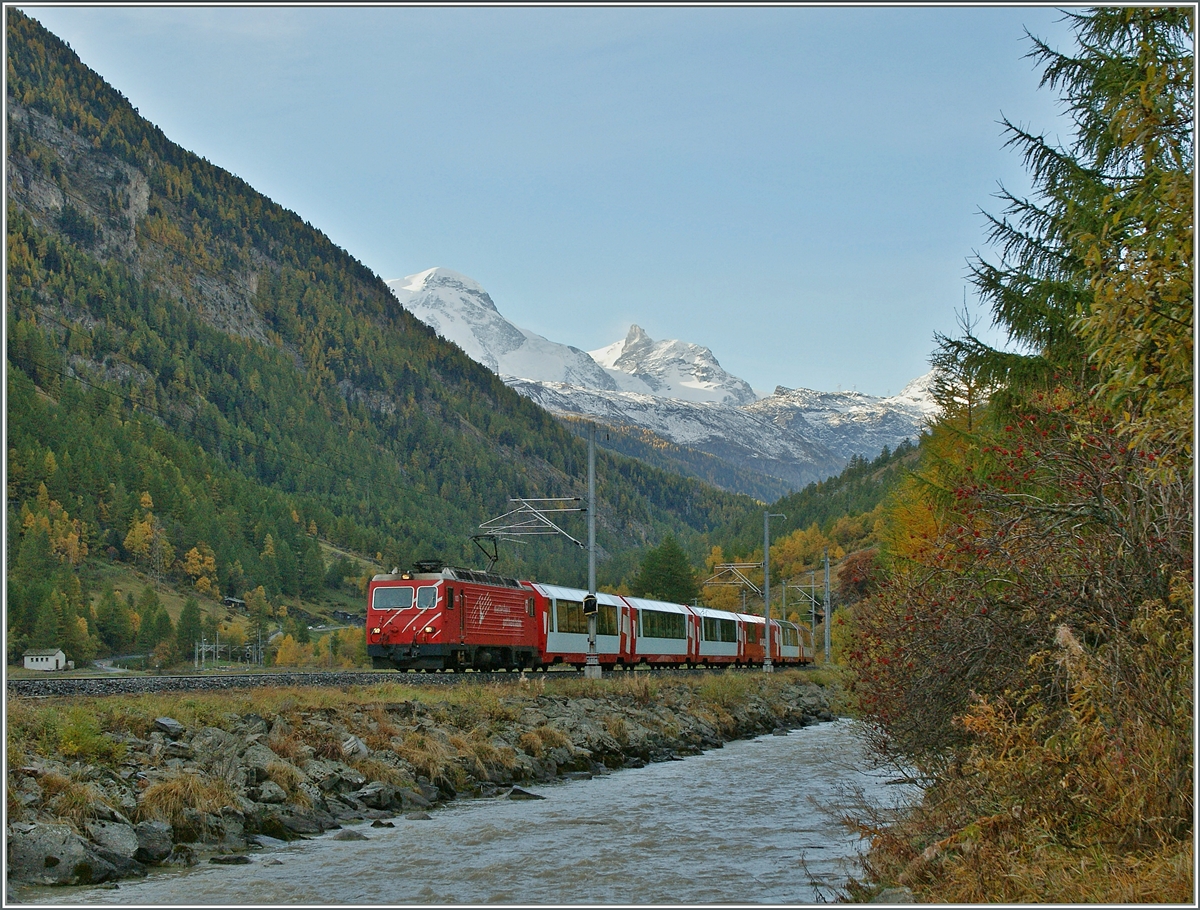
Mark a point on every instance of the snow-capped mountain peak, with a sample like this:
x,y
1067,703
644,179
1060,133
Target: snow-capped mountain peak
x,y
460,310
671,369
447,281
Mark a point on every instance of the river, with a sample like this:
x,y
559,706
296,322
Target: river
x,y
742,824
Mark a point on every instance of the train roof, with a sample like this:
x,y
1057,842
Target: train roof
x,y
643,604
751,617
452,573
712,613
560,593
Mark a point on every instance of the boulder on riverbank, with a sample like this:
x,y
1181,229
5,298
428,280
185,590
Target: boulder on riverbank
x,y
172,791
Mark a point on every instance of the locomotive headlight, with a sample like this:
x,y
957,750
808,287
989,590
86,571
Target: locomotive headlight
x,y
376,630
429,630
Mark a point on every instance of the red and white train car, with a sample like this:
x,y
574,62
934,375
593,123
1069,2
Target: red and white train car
x,y
566,626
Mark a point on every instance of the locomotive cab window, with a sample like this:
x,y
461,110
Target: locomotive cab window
x,y
426,597
392,598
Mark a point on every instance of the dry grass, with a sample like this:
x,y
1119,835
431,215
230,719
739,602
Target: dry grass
x,y
167,799
70,800
617,728
479,756
289,778
428,755
537,741
1013,868
287,745
71,731
374,769
384,725
325,744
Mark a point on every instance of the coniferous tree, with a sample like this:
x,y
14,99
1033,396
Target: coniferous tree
x,y
114,623
312,569
187,633
47,631
667,574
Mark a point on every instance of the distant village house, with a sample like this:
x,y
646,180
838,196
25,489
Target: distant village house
x,y
47,659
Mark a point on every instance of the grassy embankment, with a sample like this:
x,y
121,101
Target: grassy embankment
x,y
86,733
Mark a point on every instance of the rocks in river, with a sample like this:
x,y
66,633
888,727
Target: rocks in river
x,y
234,859
116,842
54,855
518,793
119,837
350,834
181,855
154,841
263,840
901,895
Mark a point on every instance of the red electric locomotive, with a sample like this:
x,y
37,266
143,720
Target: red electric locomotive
x,y
440,617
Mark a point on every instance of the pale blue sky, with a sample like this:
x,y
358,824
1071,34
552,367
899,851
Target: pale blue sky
x,y
796,188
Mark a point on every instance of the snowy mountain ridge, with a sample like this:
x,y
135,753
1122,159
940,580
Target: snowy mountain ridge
x,y
674,389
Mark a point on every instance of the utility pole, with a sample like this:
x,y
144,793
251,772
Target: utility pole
x,y
767,516
812,613
591,667
828,638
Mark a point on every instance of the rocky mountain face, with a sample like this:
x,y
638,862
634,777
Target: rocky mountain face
x,y
673,389
671,369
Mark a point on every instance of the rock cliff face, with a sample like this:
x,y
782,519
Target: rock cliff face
x,y
180,792
100,200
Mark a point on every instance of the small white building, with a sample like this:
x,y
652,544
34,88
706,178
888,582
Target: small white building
x,y
45,659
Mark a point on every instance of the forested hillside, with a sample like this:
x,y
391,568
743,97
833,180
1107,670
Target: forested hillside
x,y
840,517
649,448
202,385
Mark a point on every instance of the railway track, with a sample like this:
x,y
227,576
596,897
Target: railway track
x,y
216,681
